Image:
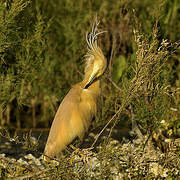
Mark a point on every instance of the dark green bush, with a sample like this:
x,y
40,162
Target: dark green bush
x,y
41,56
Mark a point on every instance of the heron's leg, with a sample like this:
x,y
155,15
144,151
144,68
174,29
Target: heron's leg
x,y
81,137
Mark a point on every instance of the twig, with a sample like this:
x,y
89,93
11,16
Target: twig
x,y
8,160
30,175
114,84
135,127
135,86
116,114
112,53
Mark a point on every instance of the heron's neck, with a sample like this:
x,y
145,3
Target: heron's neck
x,y
95,86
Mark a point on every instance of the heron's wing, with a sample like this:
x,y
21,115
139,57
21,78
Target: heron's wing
x,y
61,122
71,120
66,124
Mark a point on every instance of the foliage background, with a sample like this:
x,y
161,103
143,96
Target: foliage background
x,y
42,44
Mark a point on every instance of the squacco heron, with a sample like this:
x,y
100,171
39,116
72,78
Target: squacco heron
x,y
79,106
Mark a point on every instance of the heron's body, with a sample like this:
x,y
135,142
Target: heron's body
x,y
79,106
73,117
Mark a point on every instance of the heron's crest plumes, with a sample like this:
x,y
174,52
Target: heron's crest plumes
x,y
93,49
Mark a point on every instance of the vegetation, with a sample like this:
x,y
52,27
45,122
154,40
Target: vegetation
x,y
42,44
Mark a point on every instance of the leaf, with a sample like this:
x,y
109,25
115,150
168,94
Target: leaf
x,y
119,66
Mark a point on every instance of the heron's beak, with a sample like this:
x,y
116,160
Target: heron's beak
x,y
92,78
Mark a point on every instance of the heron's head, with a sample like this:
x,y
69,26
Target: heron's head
x,y
96,62
97,67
